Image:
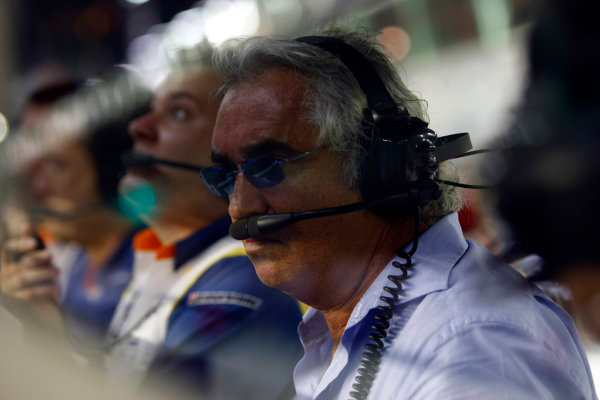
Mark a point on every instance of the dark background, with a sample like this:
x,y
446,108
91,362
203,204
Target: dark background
x,y
83,37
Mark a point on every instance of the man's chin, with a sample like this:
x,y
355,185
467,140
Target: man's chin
x,y
271,271
269,277
140,173
139,195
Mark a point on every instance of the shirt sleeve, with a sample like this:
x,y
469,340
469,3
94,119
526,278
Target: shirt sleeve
x,y
499,362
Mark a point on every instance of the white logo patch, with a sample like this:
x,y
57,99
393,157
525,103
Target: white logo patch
x,y
223,297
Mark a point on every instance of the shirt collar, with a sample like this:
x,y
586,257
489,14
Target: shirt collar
x,y
440,248
183,250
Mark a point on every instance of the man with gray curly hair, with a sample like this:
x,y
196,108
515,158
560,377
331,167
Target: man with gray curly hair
x,y
300,127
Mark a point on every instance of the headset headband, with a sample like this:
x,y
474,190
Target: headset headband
x,y
378,97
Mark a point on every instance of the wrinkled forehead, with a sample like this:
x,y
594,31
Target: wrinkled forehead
x,y
269,107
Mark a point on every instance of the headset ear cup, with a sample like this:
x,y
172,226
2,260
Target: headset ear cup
x,y
386,155
367,171
397,160
383,165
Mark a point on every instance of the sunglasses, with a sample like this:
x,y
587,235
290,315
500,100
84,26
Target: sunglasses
x,y
262,172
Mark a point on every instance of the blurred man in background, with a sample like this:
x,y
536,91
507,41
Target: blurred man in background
x,y
296,132
84,262
196,317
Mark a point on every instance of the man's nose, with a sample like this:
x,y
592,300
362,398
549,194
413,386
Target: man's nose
x,y
143,128
40,182
246,200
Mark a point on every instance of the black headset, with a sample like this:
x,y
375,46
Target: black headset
x,y
401,153
399,169
398,173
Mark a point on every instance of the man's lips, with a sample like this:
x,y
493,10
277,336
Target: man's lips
x,y
262,239
255,243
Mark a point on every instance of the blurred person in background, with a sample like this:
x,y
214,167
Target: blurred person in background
x,y
83,264
195,318
481,223
388,319
549,192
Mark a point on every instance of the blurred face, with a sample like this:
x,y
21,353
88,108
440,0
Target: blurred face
x,y
179,128
63,180
264,116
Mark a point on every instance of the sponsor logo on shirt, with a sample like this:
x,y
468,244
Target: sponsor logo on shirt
x,y
223,297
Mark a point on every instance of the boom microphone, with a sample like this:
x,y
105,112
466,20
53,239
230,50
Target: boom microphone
x,y
262,224
75,212
258,225
140,160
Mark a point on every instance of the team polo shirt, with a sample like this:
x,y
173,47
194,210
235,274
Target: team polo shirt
x,y
197,321
91,295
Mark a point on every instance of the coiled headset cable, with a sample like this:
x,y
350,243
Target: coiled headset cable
x,y
371,357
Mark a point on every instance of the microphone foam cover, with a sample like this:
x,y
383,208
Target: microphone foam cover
x,y
239,229
260,224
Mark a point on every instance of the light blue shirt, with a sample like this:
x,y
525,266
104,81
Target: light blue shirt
x,y
465,326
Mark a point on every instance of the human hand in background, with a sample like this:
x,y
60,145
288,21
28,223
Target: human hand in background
x,y
26,270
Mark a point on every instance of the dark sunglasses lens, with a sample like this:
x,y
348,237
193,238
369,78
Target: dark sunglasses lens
x,y
263,172
219,180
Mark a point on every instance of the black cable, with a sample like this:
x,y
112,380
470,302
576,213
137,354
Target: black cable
x,y
371,357
75,212
464,185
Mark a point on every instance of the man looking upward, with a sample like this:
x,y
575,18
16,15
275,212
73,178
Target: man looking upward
x,y
195,313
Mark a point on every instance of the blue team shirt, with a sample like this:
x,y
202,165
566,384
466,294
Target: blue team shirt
x,y
229,336
88,308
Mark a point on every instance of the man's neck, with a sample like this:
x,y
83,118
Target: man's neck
x,y
396,236
337,318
